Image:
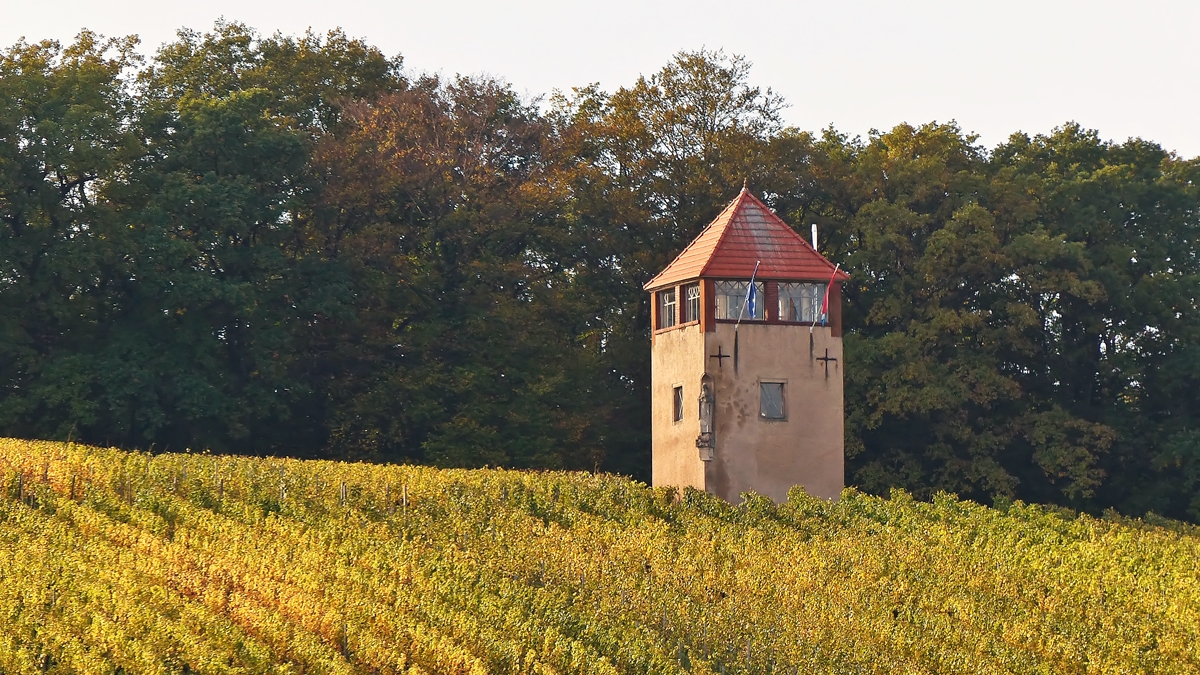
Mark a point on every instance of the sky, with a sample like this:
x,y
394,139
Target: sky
x,y
1126,69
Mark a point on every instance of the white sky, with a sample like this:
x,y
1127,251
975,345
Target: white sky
x,y
1124,68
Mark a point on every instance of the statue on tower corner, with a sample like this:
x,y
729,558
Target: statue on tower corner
x,y
704,442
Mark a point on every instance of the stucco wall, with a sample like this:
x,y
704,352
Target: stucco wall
x,y
770,456
676,358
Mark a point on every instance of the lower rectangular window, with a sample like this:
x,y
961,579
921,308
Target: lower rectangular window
x,y
677,404
771,401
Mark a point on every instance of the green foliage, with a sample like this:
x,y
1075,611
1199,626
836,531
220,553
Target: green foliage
x,y
65,143
1003,317
123,562
287,245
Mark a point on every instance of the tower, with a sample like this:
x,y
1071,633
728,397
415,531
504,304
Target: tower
x,y
747,382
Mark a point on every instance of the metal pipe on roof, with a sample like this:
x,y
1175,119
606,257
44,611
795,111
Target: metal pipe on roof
x,y
814,231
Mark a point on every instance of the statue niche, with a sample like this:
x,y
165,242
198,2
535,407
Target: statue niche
x,y
704,442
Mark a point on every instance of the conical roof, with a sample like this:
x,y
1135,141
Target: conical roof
x,y
747,232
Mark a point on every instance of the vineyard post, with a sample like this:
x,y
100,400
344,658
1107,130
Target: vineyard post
x,y
774,643
72,495
685,661
342,494
404,500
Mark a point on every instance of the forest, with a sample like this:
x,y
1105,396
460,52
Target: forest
x,y
292,246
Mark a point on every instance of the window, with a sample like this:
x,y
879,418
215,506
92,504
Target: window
x,y
801,302
677,403
732,304
771,401
691,303
666,308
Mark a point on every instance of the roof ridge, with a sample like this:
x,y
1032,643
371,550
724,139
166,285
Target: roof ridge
x,y
740,235
795,234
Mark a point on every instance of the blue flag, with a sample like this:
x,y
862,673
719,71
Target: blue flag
x,y
750,294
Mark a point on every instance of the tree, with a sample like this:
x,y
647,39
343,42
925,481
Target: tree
x,y
160,301
462,349
645,169
65,144
1122,354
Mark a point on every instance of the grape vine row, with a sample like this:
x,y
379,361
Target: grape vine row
x,y
118,562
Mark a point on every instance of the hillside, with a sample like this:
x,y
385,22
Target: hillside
x,y
122,562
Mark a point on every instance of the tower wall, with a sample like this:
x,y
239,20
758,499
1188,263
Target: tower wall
x,y
770,456
751,453
676,359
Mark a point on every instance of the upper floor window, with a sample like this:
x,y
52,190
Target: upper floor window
x,y
691,303
732,303
666,308
801,302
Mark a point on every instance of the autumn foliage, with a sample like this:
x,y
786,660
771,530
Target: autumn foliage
x,y
291,245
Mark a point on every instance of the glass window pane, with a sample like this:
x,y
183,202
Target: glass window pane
x,y
691,308
666,308
732,303
801,302
770,402
677,411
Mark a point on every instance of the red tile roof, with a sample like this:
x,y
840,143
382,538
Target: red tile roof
x,y
747,232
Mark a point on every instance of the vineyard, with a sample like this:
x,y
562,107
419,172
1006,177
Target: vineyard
x,y
114,562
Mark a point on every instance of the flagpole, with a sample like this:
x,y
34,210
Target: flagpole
x,y
742,312
825,300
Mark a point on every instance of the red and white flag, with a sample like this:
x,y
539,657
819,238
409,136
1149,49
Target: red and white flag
x,y
825,302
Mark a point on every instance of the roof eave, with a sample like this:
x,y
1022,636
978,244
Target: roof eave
x,y
654,284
